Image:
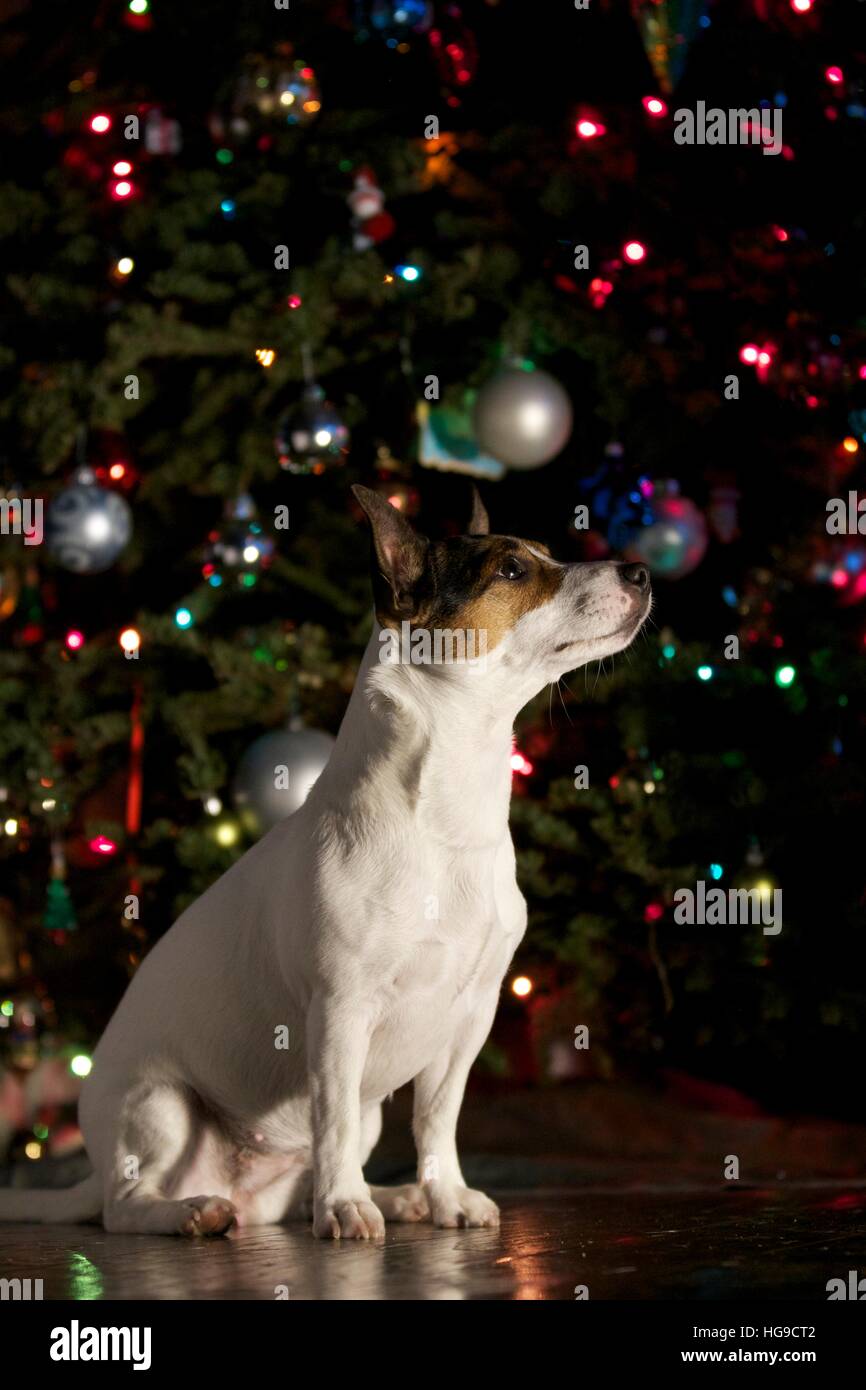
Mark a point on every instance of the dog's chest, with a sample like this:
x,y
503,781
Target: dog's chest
x,y
458,937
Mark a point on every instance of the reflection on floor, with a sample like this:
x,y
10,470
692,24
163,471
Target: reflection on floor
x,y
728,1243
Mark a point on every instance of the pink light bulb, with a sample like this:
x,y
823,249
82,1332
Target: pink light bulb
x,y
100,844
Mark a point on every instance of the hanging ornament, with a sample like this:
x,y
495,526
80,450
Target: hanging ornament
x,y
238,549
667,30
88,527
275,91
674,540
446,442
311,437
59,915
523,418
615,503
370,223
276,773
615,507
162,134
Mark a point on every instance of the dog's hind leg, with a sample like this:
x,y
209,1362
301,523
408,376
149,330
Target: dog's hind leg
x,y
159,1134
406,1203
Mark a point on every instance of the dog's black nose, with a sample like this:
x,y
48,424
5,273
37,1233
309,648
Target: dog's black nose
x,y
638,575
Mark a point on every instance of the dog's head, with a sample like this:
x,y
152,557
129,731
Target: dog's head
x,y
525,611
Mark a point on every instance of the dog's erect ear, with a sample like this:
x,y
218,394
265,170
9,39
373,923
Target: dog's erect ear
x,y
401,554
479,522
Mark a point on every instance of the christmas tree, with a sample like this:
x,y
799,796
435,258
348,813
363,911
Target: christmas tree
x,y
252,255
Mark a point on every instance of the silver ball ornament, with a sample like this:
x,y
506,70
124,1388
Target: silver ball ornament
x,y
522,418
88,526
239,547
311,436
276,773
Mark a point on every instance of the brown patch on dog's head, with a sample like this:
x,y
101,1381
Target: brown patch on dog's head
x,y
487,584
476,583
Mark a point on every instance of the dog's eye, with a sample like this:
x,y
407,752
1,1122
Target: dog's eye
x,y
511,569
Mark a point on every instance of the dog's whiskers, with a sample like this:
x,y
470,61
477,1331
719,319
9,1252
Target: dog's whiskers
x,y
562,701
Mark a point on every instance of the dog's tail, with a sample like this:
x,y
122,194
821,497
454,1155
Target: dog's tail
x,y
80,1203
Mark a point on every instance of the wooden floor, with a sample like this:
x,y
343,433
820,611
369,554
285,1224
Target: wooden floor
x,y
727,1243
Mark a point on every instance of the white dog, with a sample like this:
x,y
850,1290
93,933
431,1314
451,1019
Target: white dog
x,y
375,925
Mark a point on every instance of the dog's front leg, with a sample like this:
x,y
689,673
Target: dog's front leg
x,y
338,1036
438,1097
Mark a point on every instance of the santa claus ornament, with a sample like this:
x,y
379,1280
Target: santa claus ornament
x,y
371,224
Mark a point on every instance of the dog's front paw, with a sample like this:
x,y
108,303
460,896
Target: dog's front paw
x,y
349,1220
461,1206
